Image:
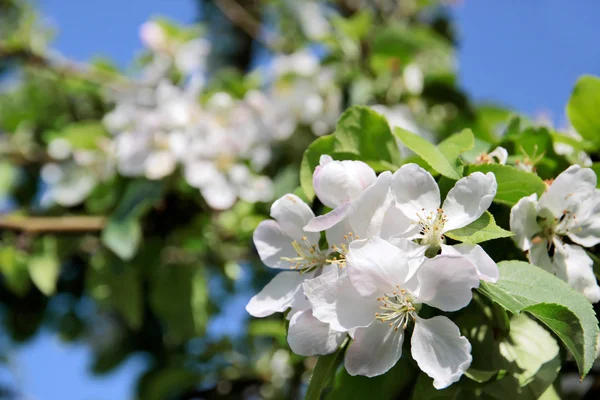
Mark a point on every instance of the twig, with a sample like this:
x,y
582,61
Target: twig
x,y
63,66
239,16
52,224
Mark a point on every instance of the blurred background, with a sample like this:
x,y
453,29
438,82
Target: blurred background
x,y
88,315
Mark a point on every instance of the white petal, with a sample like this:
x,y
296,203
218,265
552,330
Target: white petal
x,y
277,295
415,190
523,221
337,182
445,282
329,220
160,164
339,304
370,212
486,267
500,153
375,350
538,255
568,190
219,194
272,244
584,228
292,214
579,268
307,336
200,173
415,254
375,266
468,199
440,351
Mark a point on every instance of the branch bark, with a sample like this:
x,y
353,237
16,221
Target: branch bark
x,y
66,224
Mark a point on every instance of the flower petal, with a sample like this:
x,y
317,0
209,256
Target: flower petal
x,y
272,244
445,282
307,336
292,214
375,350
415,190
339,304
538,255
375,266
277,296
486,267
579,268
440,351
584,227
568,190
468,199
329,220
523,221
219,193
338,182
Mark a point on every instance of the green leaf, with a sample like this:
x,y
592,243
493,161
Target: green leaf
x,y
81,135
44,271
361,134
323,374
123,232
583,106
387,386
118,286
13,265
179,297
430,153
481,230
365,133
123,237
455,145
525,287
513,183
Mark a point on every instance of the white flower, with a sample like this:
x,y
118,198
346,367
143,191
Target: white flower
x,y
413,79
418,197
340,182
153,36
570,207
68,183
499,156
283,244
381,298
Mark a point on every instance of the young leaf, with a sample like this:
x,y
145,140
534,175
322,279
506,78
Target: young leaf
x,y
364,132
481,230
583,107
455,145
513,183
430,153
323,374
525,287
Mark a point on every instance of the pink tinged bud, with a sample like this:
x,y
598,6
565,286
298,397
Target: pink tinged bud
x,y
338,182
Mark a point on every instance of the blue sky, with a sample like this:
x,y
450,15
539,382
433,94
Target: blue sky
x,y
524,54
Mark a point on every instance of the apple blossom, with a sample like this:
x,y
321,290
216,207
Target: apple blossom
x,y
418,197
569,208
381,298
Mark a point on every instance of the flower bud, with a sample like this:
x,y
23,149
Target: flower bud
x,y
337,182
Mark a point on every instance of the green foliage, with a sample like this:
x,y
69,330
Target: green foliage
x,y
583,106
513,184
360,134
481,230
323,376
444,158
123,233
523,287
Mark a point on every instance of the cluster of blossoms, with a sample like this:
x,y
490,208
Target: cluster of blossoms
x,y
220,143
385,257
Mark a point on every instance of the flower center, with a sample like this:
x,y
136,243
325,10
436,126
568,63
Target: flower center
x,y
432,227
342,250
398,309
308,258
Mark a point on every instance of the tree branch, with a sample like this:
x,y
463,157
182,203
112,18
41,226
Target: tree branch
x,y
52,224
63,66
240,17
